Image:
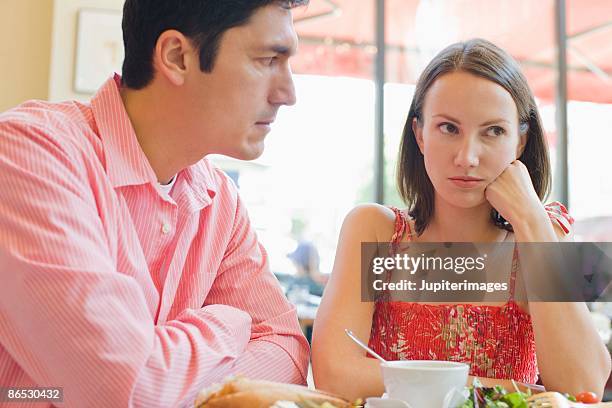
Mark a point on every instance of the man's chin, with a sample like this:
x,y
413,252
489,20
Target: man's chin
x,y
253,156
252,152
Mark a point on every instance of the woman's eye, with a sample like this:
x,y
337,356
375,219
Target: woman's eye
x,y
448,128
495,131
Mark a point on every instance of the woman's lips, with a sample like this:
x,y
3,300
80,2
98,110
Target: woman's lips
x,y
466,182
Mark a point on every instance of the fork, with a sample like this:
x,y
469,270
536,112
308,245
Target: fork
x,y
556,400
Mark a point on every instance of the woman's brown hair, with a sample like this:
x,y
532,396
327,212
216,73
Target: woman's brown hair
x,y
484,59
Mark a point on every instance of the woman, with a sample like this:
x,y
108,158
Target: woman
x,y
473,167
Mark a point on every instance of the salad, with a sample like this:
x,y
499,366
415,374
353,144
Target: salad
x,y
494,397
479,396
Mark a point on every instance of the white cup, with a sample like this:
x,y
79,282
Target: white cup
x,y
424,383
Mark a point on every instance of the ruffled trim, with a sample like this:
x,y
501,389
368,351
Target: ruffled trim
x,y
559,214
400,226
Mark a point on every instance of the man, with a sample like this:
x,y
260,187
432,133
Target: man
x,y
130,273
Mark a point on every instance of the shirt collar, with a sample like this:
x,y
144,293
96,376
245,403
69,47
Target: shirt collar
x,y
202,185
126,162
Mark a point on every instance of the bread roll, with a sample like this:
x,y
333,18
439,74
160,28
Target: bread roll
x,y
240,392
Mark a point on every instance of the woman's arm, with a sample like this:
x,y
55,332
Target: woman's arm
x,y
339,365
571,356
565,336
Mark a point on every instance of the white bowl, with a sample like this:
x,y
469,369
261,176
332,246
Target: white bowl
x,y
424,383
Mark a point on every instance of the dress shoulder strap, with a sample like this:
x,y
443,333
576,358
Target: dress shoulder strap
x,y
402,226
513,272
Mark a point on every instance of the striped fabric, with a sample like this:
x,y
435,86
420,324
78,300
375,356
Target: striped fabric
x,y
116,292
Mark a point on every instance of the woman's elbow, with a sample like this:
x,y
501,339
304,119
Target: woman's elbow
x,y
330,376
607,371
591,378
601,374
324,372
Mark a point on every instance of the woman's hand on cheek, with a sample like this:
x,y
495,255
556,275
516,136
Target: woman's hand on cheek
x,y
512,193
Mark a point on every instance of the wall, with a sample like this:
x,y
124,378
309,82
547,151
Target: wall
x,y
65,18
25,29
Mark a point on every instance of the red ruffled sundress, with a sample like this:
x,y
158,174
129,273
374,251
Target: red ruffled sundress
x,y
496,341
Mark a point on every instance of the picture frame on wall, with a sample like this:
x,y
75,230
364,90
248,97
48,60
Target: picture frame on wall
x,y
99,48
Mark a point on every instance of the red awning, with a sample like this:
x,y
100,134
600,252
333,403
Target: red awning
x,y
337,39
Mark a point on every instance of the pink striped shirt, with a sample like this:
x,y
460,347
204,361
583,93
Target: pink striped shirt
x,y
116,292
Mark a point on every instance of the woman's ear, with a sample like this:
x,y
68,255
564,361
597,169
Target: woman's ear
x,y
418,133
521,145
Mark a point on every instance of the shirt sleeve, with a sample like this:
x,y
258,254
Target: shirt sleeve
x,y
277,350
68,318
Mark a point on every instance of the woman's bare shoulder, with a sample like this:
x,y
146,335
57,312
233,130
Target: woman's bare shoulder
x,y
372,220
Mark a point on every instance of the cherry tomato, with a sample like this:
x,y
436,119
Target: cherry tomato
x,y
587,397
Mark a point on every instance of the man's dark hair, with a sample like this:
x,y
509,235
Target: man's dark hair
x,y
203,21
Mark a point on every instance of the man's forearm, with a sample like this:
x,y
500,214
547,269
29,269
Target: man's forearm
x,y
268,360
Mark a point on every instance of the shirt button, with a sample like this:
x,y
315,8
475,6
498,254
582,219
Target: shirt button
x,y
166,228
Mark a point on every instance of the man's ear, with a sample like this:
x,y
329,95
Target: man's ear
x,y
173,56
418,134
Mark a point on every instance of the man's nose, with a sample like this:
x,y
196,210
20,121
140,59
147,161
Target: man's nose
x,y
283,92
468,153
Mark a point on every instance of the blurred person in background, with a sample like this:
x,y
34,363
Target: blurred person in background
x,y
305,258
